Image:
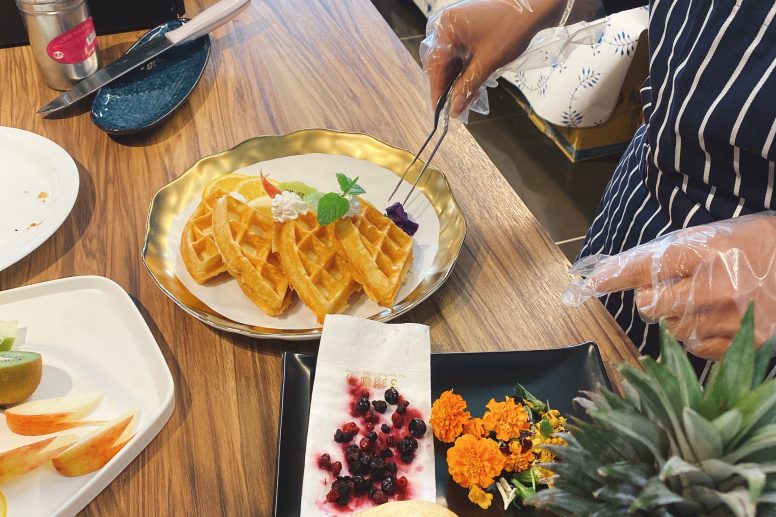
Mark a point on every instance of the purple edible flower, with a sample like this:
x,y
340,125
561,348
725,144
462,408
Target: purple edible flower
x,y
396,213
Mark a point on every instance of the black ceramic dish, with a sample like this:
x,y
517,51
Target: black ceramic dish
x,y
556,375
147,95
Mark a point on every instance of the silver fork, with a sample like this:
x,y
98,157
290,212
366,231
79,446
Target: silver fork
x,y
441,106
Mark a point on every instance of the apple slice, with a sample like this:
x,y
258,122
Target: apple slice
x,y
26,458
96,449
52,415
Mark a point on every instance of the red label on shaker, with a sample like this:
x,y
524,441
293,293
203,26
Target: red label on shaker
x,y
74,45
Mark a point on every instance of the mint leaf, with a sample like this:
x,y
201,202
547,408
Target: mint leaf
x,y
349,186
545,427
331,207
344,182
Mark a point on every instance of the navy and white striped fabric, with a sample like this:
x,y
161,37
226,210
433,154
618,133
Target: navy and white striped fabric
x,y
706,151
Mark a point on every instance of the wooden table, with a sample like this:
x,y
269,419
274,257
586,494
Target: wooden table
x,y
282,65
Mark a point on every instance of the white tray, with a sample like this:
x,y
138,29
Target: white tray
x,y
92,338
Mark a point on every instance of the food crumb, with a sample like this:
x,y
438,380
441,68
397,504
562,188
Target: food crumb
x,y
43,195
33,225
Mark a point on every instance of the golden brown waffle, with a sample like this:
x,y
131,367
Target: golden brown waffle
x,y
198,249
379,252
318,273
243,237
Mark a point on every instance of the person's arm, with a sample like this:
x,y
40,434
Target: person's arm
x,y
475,38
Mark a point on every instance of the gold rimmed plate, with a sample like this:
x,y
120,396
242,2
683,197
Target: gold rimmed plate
x,y
311,155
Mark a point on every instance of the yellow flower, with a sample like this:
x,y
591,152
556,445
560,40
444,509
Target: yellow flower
x,y
479,497
557,422
506,418
517,460
543,455
474,461
448,416
474,427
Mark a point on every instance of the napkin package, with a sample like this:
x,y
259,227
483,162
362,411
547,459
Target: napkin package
x,y
358,355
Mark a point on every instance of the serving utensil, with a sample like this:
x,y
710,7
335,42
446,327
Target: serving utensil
x,y
442,106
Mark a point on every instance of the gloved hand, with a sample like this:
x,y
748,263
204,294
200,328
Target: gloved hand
x,y
475,38
700,280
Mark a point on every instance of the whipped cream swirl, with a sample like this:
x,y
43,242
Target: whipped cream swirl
x,y
287,206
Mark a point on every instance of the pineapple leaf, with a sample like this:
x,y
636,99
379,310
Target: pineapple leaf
x,y
758,407
761,360
676,466
751,472
658,391
676,360
634,473
733,377
728,424
757,444
636,427
562,502
705,439
654,494
739,502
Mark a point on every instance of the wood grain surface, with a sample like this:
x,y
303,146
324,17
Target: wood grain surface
x,y
282,65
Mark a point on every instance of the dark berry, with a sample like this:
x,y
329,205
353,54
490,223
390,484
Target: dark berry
x,y
379,405
402,407
372,417
361,484
380,497
384,428
371,436
336,468
343,500
407,444
391,467
324,461
386,453
391,396
362,406
401,483
350,428
365,444
407,457
417,427
332,495
370,427
388,485
340,437
351,449
398,420
372,492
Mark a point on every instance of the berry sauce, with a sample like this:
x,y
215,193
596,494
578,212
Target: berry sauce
x,y
374,466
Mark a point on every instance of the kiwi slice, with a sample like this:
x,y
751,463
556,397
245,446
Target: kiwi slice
x,y
7,334
296,186
19,375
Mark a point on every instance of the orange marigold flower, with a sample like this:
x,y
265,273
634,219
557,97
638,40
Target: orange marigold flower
x,y
475,427
517,460
474,461
479,497
506,418
448,415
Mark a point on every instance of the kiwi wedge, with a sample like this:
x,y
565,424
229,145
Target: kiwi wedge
x,y
19,375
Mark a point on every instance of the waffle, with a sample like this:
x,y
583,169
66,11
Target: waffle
x,y
243,237
379,252
198,249
318,273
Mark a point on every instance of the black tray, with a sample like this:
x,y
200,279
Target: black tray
x,y
556,375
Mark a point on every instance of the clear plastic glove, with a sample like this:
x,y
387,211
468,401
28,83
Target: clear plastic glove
x,y
476,39
699,280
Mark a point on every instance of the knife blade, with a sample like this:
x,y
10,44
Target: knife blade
x,y
203,23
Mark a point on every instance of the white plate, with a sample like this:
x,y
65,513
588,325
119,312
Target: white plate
x,y
38,188
319,171
92,338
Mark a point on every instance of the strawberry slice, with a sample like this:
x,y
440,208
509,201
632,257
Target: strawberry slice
x,y
269,188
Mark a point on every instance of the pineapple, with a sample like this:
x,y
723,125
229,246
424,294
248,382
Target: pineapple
x,y
671,447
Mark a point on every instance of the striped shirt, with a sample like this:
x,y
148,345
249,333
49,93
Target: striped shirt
x,y
706,151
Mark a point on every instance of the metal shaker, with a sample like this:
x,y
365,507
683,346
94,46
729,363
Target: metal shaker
x,y
62,38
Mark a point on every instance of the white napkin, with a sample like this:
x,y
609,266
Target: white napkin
x,y
378,355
